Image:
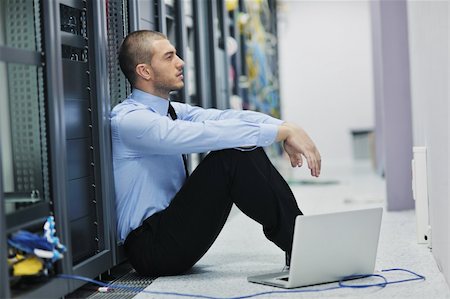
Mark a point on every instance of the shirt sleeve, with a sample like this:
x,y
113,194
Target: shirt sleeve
x,y
198,114
144,131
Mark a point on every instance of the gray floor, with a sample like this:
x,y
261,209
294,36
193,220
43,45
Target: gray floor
x,y
241,249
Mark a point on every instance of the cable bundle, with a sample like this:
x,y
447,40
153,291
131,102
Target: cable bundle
x,y
35,254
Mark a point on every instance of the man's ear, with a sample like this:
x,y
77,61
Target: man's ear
x,y
143,71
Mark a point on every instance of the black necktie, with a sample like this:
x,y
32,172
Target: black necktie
x,y
173,115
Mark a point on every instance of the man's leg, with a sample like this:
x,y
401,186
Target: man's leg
x,y
181,234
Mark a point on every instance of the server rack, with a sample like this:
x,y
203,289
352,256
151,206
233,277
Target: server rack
x,y
261,86
219,62
72,176
26,191
202,54
119,22
21,52
190,48
193,87
4,275
118,27
82,52
141,14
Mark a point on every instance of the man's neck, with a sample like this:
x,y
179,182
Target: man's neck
x,y
147,89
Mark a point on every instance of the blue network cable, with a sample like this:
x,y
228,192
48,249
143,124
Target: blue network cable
x,y
107,286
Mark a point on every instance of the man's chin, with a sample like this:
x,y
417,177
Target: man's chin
x,y
179,86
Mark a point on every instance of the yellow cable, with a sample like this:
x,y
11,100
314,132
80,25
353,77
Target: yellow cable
x,y
30,266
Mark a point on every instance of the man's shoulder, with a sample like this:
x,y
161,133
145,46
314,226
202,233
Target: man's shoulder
x,y
125,107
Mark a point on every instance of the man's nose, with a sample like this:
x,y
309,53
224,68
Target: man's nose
x,y
180,63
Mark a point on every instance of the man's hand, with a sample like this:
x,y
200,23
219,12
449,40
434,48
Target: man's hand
x,y
297,145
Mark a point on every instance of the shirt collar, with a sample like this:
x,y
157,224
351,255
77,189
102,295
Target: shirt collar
x,y
158,104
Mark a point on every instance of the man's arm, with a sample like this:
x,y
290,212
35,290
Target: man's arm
x,y
144,131
149,132
295,140
199,114
297,143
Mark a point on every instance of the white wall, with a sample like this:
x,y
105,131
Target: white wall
x,y
429,60
326,75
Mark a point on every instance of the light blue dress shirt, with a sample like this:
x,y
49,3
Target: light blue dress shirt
x,y
147,147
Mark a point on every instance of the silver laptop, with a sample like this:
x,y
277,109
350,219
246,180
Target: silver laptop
x,y
329,247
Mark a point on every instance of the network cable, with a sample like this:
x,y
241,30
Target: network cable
x,y
104,287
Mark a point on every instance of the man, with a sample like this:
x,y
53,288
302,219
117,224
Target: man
x,y
167,219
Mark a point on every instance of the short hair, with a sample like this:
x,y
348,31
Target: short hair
x,y
135,49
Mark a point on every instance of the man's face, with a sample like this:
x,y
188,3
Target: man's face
x,y
166,66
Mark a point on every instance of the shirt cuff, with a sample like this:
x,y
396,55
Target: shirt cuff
x,y
267,135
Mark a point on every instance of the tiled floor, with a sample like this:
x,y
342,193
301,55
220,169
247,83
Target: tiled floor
x,y
241,249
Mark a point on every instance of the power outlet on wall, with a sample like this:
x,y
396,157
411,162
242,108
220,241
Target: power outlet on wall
x,y
420,194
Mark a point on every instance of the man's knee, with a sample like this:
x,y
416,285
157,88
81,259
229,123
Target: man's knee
x,y
232,159
240,152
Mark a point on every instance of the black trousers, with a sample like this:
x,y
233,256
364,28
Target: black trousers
x,y
173,240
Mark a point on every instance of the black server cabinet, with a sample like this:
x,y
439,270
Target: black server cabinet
x,y
190,48
57,153
4,273
202,54
118,28
142,14
119,22
24,132
83,43
211,31
26,196
218,33
81,142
